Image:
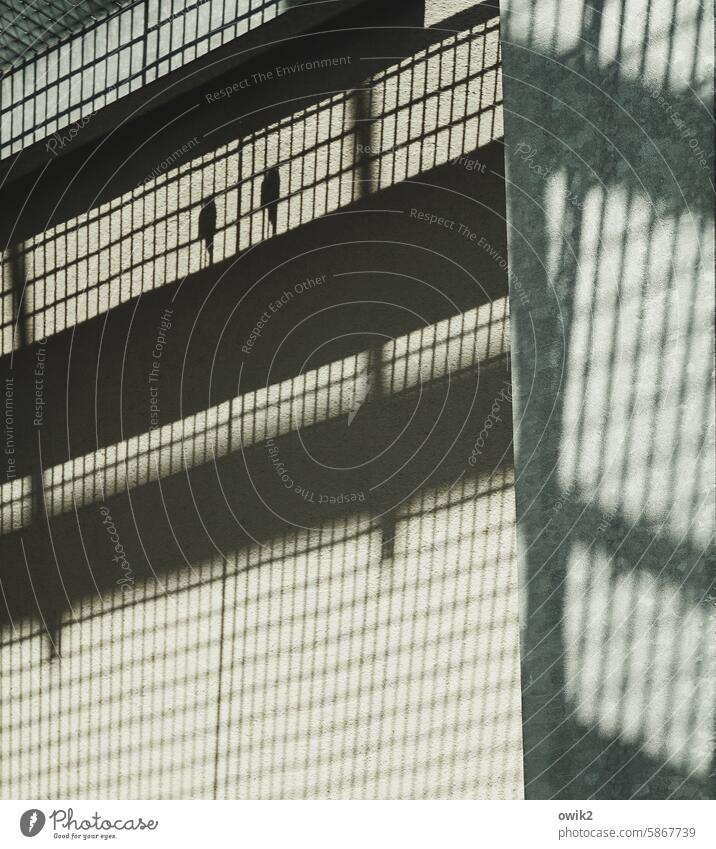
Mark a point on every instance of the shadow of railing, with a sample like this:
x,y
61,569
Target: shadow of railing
x,y
215,310
264,516
151,235
609,235
280,567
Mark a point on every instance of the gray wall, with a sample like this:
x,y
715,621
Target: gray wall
x,y
609,152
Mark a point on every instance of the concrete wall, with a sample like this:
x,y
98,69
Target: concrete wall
x,y
305,667
609,152
316,591
115,54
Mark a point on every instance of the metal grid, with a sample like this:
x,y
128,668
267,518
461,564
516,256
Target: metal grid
x,y
131,45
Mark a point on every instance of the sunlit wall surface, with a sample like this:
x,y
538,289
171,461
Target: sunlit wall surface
x,y
369,651
333,677
104,51
147,237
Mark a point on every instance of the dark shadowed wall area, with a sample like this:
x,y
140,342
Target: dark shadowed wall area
x,y
609,157
257,513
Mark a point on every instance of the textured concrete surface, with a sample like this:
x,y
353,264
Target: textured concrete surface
x,y
309,606
609,152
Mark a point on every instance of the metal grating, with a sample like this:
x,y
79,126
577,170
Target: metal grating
x,y
27,29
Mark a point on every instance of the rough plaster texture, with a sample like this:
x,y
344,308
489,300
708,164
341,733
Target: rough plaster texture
x,y
313,665
334,676
609,152
119,54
